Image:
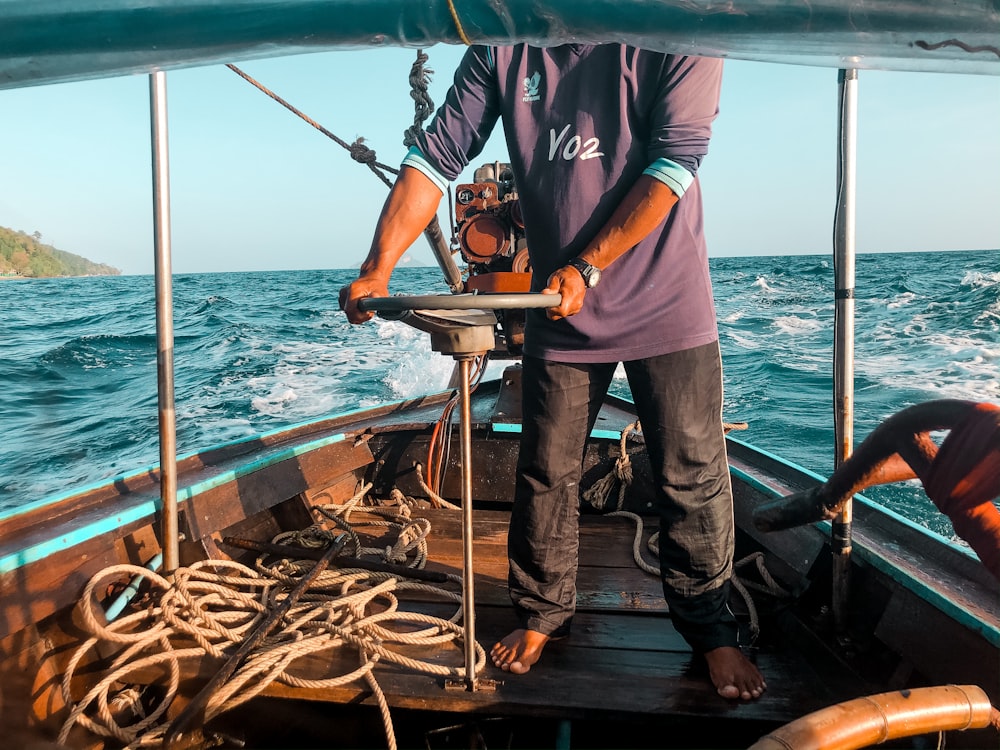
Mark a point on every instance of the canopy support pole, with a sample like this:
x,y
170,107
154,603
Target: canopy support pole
x,y
843,355
468,574
164,320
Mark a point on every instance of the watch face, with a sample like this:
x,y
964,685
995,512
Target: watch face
x,y
591,274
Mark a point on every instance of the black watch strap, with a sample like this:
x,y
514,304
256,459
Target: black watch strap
x,y
591,274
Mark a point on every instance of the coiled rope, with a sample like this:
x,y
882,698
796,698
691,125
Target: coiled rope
x,y
212,606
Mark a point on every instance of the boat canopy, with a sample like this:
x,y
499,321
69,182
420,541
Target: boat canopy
x,y
50,41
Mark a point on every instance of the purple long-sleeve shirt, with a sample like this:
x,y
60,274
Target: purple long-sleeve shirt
x,y
582,123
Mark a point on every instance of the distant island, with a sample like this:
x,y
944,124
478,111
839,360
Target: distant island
x,y
407,261
24,255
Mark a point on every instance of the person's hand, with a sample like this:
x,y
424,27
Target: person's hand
x,y
363,286
568,282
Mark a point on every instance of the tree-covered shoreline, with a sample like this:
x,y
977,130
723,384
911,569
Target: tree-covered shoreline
x,y
26,256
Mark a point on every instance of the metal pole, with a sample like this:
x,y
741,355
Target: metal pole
x,y
843,375
442,254
468,578
164,319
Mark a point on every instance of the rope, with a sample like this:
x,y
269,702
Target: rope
x,y
743,588
436,500
212,606
358,150
636,542
458,24
598,493
423,105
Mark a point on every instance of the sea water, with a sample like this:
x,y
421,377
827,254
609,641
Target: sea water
x,y
257,351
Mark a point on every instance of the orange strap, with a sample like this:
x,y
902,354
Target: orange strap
x,y
964,479
966,470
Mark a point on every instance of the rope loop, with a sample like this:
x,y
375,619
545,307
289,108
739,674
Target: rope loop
x,y
212,607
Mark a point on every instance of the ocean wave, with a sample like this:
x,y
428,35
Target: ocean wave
x,y
795,325
902,300
981,279
99,351
214,302
254,352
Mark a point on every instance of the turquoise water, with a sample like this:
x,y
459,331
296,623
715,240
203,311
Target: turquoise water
x,y
256,351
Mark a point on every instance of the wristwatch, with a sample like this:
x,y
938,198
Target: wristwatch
x,y
591,274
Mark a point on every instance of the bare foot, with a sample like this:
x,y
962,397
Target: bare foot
x,y
733,675
519,650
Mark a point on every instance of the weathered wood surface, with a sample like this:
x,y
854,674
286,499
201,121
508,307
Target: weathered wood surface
x,y
624,660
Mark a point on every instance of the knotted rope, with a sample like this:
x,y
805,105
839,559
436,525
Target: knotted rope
x,y
212,606
358,150
423,105
599,492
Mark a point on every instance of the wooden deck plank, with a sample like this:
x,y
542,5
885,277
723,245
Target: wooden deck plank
x,y
624,661
602,671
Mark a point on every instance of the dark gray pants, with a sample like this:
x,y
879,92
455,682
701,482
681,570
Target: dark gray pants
x,y
678,398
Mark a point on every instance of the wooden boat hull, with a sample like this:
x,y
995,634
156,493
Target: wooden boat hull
x,y
923,611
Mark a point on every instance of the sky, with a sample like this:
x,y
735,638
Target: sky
x,y
254,188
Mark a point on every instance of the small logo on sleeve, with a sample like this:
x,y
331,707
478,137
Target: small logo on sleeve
x,y
531,87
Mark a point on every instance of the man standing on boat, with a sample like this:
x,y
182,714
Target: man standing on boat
x,y
605,142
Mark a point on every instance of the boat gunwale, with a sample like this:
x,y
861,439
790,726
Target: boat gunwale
x,y
296,441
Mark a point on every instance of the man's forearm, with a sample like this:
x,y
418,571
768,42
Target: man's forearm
x,y
407,211
644,207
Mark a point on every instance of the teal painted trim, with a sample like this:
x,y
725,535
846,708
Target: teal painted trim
x,y
916,586
40,551
116,520
606,435
515,429
754,483
262,463
53,499
121,601
902,520
779,459
298,425
947,606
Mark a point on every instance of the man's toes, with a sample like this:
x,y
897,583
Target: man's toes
x,y
518,668
729,691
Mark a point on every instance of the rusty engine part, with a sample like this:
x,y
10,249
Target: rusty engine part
x,y
490,232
